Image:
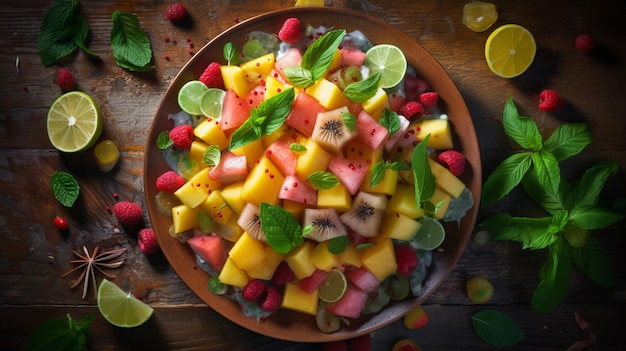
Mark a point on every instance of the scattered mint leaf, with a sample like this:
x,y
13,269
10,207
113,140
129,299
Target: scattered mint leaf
x,y
586,192
130,44
522,130
323,180
297,148
60,334
391,121
65,188
163,140
533,233
505,177
423,179
349,120
496,328
549,201
547,171
211,156
319,55
363,90
298,76
378,173
555,276
282,230
338,244
567,140
593,260
593,217
230,54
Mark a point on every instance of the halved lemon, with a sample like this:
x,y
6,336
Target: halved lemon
x,y
121,308
74,122
510,49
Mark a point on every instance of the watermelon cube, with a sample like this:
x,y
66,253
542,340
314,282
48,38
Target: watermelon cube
x,y
362,279
210,248
350,304
350,172
295,189
370,131
313,282
231,169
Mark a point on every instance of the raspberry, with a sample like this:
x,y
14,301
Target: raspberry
x,y
361,343
182,136
65,79
454,160
147,242
127,213
406,259
340,345
550,100
283,274
585,43
291,31
212,76
411,110
169,182
176,13
413,87
272,299
60,223
429,100
254,290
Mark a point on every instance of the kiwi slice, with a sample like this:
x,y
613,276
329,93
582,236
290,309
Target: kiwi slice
x,y
331,132
250,221
366,213
324,222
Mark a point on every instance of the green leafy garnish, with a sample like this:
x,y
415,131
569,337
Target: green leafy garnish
x,y
363,90
423,179
131,45
338,244
65,188
391,121
163,140
265,119
282,231
323,180
230,54
378,170
496,328
297,148
61,334
349,120
211,156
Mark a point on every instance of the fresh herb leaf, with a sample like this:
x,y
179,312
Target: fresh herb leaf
x,y
533,233
567,140
230,54
549,201
391,121
297,148
338,244
522,130
282,230
130,44
547,171
298,76
505,177
586,192
430,209
590,217
163,140
323,180
65,188
496,328
593,260
61,334
349,120
319,55
378,173
555,276
211,156
363,90
365,246
423,179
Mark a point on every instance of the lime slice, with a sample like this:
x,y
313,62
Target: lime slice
x,y
74,122
333,288
190,97
120,308
389,60
430,235
510,50
211,103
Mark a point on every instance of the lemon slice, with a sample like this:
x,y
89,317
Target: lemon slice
x,y
74,122
389,60
120,308
333,288
510,50
431,234
190,97
211,103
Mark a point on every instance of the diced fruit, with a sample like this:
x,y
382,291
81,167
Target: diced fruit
x,y
196,153
280,153
336,197
399,226
303,113
265,270
195,191
299,260
210,248
233,275
250,221
328,94
314,159
256,96
184,218
273,86
209,131
247,252
371,132
231,169
355,149
350,304
350,172
295,208
479,289
363,279
443,200
232,194
324,224
293,57
216,206
322,258
380,259
387,185
349,257
375,105
313,282
235,111
258,68
263,183
296,299
295,189
366,213
440,133
403,201
351,56
393,139
253,151
331,132
235,79
445,180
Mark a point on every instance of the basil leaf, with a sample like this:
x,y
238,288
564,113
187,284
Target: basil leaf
x,y
65,188
547,171
506,176
550,202
323,180
338,244
61,334
590,218
567,140
319,55
586,191
555,276
495,328
130,44
211,156
533,233
282,231
230,54
363,90
349,120
163,140
593,260
245,134
297,148
390,120
299,77
522,130
377,173
423,179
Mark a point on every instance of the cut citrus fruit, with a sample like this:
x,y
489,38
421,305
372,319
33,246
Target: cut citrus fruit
x,y
190,97
120,308
510,50
333,288
389,60
430,235
74,122
211,103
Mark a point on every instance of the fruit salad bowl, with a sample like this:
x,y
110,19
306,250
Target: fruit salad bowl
x,y
287,324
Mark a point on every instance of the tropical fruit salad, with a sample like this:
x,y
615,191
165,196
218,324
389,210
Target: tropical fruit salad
x,y
310,170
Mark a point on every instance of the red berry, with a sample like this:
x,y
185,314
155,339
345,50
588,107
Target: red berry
x,y
182,136
128,213
454,160
65,79
411,110
340,345
60,223
254,290
283,274
147,242
291,31
406,259
272,299
169,182
585,43
212,76
550,100
361,343
429,100
176,13
414,87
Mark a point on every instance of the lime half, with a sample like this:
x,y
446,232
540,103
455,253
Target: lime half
x,y
74,122
211,103
120,308
333,288
190,97
431,235
389,60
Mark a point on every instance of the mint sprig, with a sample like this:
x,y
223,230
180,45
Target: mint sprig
x,y
211,156
363,90
391,121
282,231
61,334
130,44
379,169
323,180
65,188
231,55
423,179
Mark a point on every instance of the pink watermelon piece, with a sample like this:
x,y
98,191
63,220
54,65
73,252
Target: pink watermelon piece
x,y
279,152
293,57
393,139
395,101
295,189
350,172
256,96
313,282
231,169
356,238
362,279
303,113
350,304
210,248
235,111
370,131
351,56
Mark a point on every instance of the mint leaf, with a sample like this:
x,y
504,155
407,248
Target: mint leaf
x,y
391,121
588,217
363,90
378,173
282,231
423,179
65,188
230,54
349,120
323,180
496,328
533,233
130,44
297,148
586,191
549,201
555,276
547,171
60,334
299,77
567,140
319,55
505,177
593,260
522,130
246,133
211,156
338,244
163,140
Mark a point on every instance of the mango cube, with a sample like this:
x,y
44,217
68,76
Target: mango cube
x,y
445,180
296,299
196,152
440,133
401,227
299,260
350,257
266,269
232,195
443,198
184,218
258,68
380,259
375,105
216,206
263,183
356,150
295,208
253,152
247,252
210,132
403,201
328,94
273,86
322,258
337,197
387,186
233,275
235,79
314,159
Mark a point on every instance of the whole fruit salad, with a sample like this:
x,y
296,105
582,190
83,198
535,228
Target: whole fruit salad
x,y
304,174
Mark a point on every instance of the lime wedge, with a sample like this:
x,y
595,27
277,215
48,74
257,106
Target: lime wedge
x,y
333,288
430,235
211,103
510,49
190,97
120,308
389,60
74,122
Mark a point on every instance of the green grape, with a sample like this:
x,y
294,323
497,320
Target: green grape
x,y
217,287
479,290
398,287
575,235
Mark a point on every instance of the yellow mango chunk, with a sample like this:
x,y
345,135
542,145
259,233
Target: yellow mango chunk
x,y
398,226
445,180
263,183
196,152
247,252
257,69
195,191
444,198
336,197
312,160
233,275
440,133
403,201
273,86
235,79
230,230
216,206
375,105
232,194
322,258
184,218
350,257
299,260
265,270
355,149
209,131
296,299
253,152
295,208
387,186
328,94
380,259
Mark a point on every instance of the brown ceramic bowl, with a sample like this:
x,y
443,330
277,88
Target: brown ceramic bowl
x,y
286,324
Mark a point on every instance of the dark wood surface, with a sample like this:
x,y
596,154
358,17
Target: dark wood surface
x,y
34,254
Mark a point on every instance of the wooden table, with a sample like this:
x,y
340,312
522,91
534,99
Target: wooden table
x,y
34,254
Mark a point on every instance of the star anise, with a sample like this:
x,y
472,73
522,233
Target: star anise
x,y
91,262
